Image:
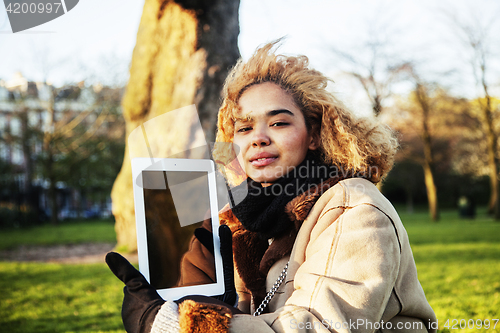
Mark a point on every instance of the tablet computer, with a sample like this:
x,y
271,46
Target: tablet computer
x,y
172,198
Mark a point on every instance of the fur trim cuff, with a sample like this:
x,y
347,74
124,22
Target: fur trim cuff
x,y
203,318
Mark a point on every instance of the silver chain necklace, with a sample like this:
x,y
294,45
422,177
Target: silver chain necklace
x,y
270,293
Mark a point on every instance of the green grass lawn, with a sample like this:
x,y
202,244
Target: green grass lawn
x,y
96,231
458,264
41,298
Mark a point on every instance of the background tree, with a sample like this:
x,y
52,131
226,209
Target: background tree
x,y
427,120
477,39
51,135
375,74
17,179
183,53
74,138
422,98
373,63
87,146
28,134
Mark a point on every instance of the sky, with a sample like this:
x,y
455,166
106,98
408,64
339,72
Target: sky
x,y
96,38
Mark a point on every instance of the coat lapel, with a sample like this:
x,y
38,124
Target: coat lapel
x,y
253,256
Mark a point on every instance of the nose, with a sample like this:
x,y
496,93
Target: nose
x,y
260,138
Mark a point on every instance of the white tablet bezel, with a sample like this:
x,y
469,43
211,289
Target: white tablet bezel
x,y
183,165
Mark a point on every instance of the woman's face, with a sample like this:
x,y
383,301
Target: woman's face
x,y
271,133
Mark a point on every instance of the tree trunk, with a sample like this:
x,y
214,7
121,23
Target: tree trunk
x,y
28,165
492,143
428,164
431,192
493,206
54,209
430,185
48,147
183,53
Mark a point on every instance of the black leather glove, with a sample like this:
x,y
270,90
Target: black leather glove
x,y
141,302
226,250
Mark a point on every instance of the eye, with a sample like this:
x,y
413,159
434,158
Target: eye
x,y
244,129
280,123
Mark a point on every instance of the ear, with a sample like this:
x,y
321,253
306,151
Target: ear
x,y
315,140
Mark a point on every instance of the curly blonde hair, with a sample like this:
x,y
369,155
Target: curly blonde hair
x,y
359,145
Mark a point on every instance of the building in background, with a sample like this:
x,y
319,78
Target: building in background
x,y
76,127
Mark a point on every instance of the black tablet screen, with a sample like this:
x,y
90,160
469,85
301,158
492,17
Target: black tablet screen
x,y
175,203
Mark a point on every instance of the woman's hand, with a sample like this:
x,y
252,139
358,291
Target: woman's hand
x,y
141,302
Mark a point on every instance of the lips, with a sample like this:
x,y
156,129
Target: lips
x,y
262,159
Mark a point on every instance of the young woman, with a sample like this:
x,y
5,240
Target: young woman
x,y
316,246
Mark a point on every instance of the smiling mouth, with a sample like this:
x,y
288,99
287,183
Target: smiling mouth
x,y
260,162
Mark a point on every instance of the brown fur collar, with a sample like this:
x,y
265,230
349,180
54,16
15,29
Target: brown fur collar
x,y
253,256
203,318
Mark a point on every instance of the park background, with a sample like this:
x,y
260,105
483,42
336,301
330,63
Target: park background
x,y
71,89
